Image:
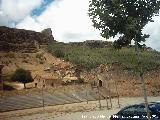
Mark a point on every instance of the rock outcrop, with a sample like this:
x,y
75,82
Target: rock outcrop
x,y
95,43
47,32
12,39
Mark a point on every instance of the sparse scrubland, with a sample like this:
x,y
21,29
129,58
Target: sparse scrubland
x,y
92,57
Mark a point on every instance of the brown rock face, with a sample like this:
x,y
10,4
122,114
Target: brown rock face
x,y
12,39
47,32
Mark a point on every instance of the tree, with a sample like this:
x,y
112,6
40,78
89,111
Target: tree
x,y
22,76
126,18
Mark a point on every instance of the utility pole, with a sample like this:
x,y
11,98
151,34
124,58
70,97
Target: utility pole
x,y
87,96
117,90
99,97
117,69
43,95
109,90
1,80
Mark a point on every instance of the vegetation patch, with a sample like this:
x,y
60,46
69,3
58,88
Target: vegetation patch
x,y
22,76
91,58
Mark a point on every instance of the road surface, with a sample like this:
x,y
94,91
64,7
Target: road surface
x,y
77,111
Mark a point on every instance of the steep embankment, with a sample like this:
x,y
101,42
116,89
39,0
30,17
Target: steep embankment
x,y
96,58
26,49
91,57
77,61
37,63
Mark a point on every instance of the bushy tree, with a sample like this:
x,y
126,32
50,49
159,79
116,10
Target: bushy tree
x,y
126,18
22,76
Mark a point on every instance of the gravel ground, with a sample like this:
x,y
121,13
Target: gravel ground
x,y
77,111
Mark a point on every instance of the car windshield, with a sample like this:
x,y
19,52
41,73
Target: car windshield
x,y
155,107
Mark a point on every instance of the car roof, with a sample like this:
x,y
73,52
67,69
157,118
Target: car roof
x,y
130,106
150,103
140,104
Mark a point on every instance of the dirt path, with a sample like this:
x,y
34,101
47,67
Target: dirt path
x,y
77,111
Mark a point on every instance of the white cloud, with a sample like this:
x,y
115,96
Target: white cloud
x,y
69,21
153,29
30,23
16,10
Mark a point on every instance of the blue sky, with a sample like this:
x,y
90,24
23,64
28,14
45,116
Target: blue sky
x,y
40,9
68,19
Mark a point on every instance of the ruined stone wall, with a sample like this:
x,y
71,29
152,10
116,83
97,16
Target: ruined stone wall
x,y
12,39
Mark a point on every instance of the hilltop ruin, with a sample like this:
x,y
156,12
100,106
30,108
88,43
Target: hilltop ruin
x,y
12,39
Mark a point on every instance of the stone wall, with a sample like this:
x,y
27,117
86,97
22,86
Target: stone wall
x,y
12,39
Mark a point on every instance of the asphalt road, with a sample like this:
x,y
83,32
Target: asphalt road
x,y
90,115
48,99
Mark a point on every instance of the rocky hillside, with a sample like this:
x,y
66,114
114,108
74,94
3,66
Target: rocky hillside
x,y
40,63
77,61
12,39
26,49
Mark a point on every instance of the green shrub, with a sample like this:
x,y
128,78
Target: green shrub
x,y
59,53
80,81
91,58
39,55
24,61
41,62
22,76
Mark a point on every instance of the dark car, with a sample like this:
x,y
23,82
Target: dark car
x,y
138,112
